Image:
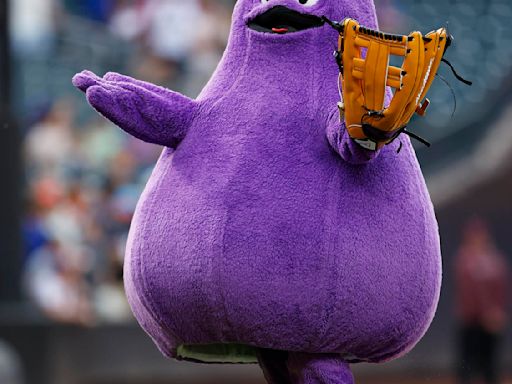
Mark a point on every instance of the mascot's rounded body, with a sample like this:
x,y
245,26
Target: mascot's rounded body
x,y
266,226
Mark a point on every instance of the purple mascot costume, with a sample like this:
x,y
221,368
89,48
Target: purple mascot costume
x,y
265,234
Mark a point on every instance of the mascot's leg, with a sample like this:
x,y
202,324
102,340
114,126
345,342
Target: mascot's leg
x,y
304,368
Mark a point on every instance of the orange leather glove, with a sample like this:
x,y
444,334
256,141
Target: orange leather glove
x,y
364,57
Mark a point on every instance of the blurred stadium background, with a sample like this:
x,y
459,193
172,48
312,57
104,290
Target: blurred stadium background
x,y
70,180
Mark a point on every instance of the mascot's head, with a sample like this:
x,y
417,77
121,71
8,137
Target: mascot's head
x,y
286,43
299,17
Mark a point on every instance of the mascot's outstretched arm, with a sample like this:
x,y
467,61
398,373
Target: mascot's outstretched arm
x,y
149,112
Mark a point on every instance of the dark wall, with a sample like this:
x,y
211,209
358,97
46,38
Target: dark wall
x,y
10,171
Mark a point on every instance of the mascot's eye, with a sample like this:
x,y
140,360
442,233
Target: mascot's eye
x,y
264,1
308,3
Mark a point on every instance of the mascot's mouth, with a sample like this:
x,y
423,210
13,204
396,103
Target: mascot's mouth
x,y
282,20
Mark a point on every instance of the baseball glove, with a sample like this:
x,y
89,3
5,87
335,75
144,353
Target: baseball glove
x,y
365,73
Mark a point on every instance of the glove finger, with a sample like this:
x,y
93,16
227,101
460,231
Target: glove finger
x,y
402,106
86,79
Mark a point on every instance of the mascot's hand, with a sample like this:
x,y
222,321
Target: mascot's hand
x,y
363,56
148,112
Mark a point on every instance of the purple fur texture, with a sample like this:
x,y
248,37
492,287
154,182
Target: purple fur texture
x,y
280,367
264,224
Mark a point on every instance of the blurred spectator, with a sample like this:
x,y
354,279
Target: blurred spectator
x,y
43,156
33,26
392,17
173,28
55,281
481,289
128,21
212,34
